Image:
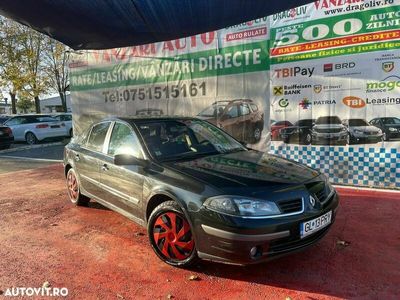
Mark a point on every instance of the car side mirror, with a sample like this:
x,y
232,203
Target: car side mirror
x,y
128,160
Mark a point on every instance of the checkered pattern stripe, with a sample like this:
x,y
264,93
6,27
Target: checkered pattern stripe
x,y
358,166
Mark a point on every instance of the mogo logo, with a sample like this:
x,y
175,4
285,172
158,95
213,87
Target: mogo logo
x,y
353,102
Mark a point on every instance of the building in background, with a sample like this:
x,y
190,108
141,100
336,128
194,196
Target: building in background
x,y
53,104
5,107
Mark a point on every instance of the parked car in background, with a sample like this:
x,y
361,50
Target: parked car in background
x,y
35,128
4,118
241,118
300,132
149,112
199,192
329,130
276,127
360,131
390,127
6,137
65,118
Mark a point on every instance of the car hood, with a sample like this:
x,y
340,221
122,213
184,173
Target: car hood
x,y
364,128
246,171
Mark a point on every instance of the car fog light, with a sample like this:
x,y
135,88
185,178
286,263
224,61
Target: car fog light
x,y
255,251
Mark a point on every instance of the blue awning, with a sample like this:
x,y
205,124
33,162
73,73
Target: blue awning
x,y
102,24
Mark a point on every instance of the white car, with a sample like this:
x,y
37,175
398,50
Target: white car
x,y
35,128
66,118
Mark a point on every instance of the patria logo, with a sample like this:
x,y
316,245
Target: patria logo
x,y
353,102
305,103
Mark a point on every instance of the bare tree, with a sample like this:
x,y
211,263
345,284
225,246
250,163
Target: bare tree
x,y
57,58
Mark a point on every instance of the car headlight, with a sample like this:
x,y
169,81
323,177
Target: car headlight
x,y
241,206
357,131
392,129
344,129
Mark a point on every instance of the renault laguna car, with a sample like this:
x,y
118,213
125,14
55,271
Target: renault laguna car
x,y
199,192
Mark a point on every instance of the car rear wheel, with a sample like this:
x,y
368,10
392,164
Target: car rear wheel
x,y
73,190
171,236
307,139
71,132
31,138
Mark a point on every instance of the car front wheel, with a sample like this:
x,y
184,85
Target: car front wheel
x,y
171,236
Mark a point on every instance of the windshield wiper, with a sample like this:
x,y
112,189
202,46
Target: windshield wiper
x,y
190,155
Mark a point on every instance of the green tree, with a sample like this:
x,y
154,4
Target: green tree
x,y
25,104
13,76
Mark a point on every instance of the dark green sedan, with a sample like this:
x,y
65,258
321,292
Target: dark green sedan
x,y
200,193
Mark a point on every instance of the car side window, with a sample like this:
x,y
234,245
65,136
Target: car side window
x,y
254,107
124,141
16,121
97,136
244,109
232,112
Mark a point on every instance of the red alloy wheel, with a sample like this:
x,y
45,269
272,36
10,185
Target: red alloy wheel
x,y
73,189
172,236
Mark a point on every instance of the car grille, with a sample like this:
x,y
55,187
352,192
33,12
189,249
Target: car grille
x,y
321,191
328,130
291,206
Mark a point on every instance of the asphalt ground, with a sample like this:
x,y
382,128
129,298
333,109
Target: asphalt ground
x,y
99,254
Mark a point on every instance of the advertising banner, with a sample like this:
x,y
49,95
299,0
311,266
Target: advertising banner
x,y
319,84
219,76
335,89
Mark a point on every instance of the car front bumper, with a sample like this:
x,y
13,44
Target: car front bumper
x,y
329,137
272,237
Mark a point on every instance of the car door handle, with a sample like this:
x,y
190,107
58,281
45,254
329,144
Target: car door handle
x,y
104,167
77,158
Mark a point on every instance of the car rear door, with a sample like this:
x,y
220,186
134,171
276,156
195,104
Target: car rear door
x,y
230,121
17,125
123,185
89,157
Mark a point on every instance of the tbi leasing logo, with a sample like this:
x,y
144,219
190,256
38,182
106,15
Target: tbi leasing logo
x,y
353,102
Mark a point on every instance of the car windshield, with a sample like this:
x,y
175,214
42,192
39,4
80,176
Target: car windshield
x,y
389,121
328,120
304,122
358,122
215,110
179,139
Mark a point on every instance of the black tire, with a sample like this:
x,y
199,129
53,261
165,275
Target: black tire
x,y
286,140
4,147
71,132
74,192
31,138
307,140
162,213
385,137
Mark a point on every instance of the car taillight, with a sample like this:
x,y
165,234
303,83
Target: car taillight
x,y
42,126
9,131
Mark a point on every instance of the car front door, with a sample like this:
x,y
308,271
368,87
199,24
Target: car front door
x,y
123,185
89,157
230,122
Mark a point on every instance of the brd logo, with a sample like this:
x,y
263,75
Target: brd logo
x,y
353,102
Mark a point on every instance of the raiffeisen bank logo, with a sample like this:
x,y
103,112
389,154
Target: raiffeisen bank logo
x,y
305,103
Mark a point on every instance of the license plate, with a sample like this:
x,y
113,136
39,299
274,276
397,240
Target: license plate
x,y
316,224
